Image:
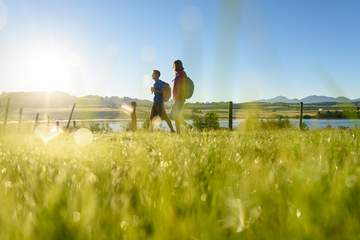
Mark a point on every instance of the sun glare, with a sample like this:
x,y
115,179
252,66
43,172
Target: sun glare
x,y
47,70
51,67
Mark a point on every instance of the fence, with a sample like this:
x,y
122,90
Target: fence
x,y
133,121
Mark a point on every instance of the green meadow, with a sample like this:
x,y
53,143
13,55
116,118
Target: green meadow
x,y
275,184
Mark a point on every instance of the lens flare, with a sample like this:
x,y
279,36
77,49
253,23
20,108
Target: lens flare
x,y
156,123
127,109
83,137
147,81
47,132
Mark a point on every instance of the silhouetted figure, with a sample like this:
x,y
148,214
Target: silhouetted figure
x,y
133,125
178,94
158,108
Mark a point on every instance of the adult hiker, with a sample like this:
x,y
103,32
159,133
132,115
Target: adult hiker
x,y
183,89
161,91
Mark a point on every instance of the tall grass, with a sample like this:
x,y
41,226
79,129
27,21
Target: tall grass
x,y
283,184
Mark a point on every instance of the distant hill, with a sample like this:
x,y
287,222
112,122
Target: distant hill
x,y
318,99
60,100
37,99
309,100
344,100
280,99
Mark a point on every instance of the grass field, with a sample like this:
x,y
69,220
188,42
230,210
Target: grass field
x,y
283,184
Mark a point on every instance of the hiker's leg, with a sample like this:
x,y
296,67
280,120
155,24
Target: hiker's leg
x,y
150,127
178,125
166,118
176,111
152,115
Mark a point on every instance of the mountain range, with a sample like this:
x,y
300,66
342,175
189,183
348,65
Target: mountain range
x,y
310,99
61,100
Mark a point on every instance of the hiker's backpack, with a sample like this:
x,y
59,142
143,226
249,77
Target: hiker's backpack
x,y
166,92
189,88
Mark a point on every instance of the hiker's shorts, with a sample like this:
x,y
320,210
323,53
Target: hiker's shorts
x,y
158,109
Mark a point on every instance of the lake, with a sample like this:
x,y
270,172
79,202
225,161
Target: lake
x,y
311,123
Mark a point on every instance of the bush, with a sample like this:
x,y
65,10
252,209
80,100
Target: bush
x,y
278,123
253,123
97,127
209,121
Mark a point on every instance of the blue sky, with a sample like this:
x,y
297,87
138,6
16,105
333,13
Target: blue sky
x,y
233,49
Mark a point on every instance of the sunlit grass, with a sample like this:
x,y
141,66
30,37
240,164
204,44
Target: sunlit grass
x,y
210,185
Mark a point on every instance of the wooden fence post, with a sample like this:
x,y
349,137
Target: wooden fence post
x,y
301,115
70,117
133,125
231,115
36,120
6,112
20,118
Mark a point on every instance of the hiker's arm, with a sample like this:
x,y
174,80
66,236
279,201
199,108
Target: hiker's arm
x,y
175,88
154,90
